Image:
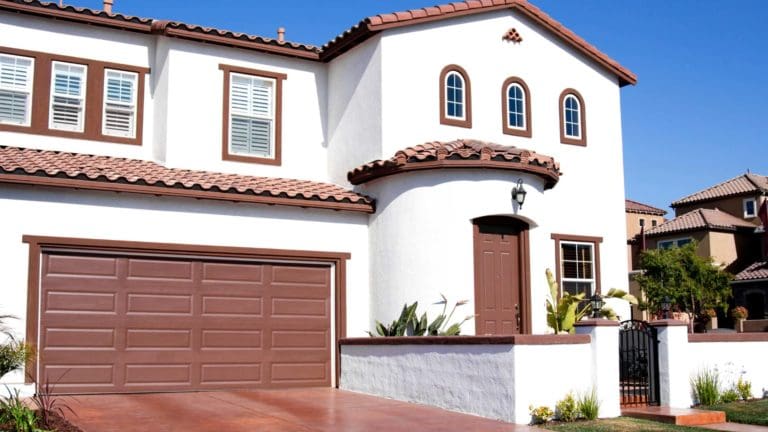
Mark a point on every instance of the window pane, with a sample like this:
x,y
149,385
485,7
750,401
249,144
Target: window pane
x,y
15,89
683,242
454,92
119,103
67,97
252,116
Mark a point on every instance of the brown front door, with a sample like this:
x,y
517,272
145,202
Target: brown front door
x,y
123,324
501,276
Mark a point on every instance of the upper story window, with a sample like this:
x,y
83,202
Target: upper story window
x,y
252,115
455,97
67,109
49,94
573,124
119,111
750,208
642,222
16,89
516,112
667,244
578,263
653,223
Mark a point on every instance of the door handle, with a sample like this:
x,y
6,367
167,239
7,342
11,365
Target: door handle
x,y
517,316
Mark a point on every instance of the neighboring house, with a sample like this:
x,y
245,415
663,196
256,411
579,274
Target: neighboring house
x,y
640,218
724,221
188,208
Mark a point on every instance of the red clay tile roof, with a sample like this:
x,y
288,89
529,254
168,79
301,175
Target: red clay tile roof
x,y
374,24
758,270
743,184
342,43
636,207
460,154
701,219
59,169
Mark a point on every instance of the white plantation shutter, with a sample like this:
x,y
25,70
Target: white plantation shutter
x,y
119,103
251,110
68,97
15,89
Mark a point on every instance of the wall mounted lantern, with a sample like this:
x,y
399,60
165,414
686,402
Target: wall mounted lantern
x,y
596,301
518,193
666,305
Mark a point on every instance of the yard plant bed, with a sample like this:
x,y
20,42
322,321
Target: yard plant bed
x,y
624,424
57,423
751,412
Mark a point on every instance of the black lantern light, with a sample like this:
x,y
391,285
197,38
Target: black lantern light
x,y
666,305
518,193
596,301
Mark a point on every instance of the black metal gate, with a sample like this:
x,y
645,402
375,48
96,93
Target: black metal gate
x,y
638,364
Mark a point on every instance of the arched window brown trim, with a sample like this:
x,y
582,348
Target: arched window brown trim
x,y
505,127
444,119
582,140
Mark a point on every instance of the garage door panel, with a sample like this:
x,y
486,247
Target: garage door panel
x,y
134,324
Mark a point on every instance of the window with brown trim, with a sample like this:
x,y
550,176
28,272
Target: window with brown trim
x,y
252,121
455,97
577,263
516,107
71,97
573,120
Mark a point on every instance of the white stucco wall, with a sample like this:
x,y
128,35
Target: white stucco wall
x,y
494,381
110,216
732,360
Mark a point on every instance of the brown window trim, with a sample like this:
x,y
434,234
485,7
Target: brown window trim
x,y
467,122
278,77
94,98
505,109
582,116
577,238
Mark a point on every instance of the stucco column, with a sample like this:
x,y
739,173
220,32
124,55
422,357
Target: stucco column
x,y
605,362
674,370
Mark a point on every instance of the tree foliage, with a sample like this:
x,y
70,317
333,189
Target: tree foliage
x,y
692,283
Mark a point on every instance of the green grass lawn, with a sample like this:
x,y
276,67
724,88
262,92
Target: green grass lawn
x,y
752,412
623,424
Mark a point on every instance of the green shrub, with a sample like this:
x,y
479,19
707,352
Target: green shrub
x,y
565,409
540,415
706,387
744,387
13,355
588,405
13,411
730,395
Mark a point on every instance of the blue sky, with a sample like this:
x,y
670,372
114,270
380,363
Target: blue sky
x,y
698,116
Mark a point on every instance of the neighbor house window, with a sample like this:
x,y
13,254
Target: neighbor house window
x,y
516,108
455,97
67,108
252,110
573,125
642,222
16,89
653,223
667,244
578,263
119,112
750,206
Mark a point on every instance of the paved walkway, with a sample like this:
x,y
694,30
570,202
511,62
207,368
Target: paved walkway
x,y
301,410
735,427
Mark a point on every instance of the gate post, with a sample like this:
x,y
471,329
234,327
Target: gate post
x,y
605,362
674,373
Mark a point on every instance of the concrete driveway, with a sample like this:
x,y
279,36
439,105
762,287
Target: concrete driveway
x,y
317,409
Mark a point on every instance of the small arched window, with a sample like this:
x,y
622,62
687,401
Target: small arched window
x,y
573,123
516,107
455,97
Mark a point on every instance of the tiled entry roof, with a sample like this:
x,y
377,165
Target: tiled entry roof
x,y
82,171
460,154
637,207
758,270
700,219
740,185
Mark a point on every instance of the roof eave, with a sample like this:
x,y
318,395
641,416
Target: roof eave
x,y
142,26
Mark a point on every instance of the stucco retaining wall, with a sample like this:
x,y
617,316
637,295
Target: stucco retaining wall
x,y
734,356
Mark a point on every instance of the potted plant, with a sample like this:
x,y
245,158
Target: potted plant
x,y
709,316
739,314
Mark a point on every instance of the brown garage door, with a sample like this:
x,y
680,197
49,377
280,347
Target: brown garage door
x,y
119,324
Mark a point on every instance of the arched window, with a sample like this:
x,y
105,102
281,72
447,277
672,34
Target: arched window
x,y
573,123
516,107
455,97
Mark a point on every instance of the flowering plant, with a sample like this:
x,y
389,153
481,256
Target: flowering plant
x,y
739,312
541,414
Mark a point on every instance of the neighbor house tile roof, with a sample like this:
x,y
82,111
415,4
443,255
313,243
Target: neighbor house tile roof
x,y
701,219
342,43
82,171
636,207
460,154
743,184
758,270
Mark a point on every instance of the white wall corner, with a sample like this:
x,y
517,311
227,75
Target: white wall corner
x,y
674,367
605,366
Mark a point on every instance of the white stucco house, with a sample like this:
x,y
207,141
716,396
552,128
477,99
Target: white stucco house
x,y
189,208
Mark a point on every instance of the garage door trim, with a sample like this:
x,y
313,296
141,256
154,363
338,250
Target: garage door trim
x,y
40,244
